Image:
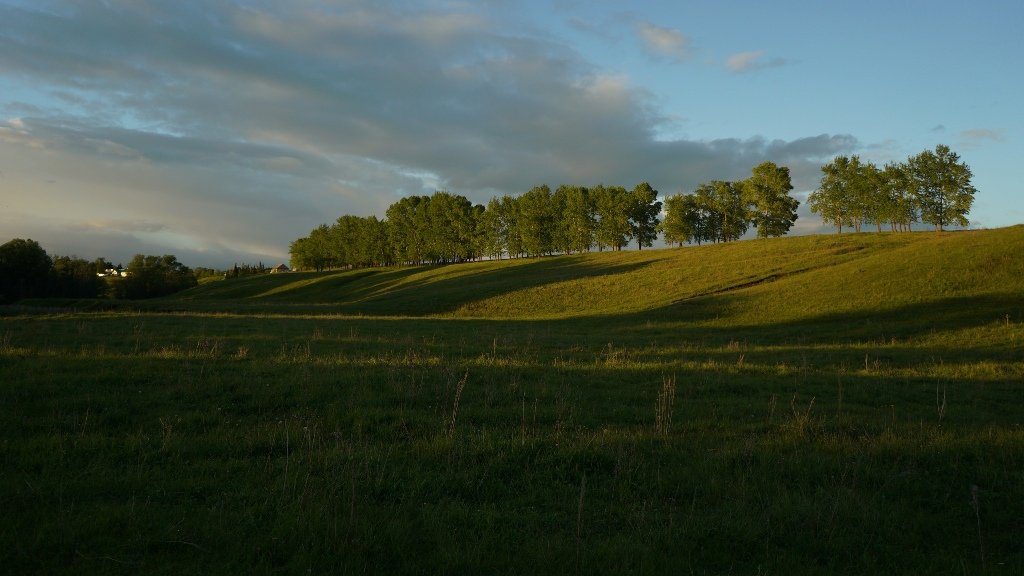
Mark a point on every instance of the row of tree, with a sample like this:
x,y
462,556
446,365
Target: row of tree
x,y
720,211
27,271
931,187
446,227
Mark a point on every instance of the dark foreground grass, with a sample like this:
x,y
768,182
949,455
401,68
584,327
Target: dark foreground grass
x,y
697,437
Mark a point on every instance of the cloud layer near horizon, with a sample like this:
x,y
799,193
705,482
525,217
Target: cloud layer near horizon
x,y
225,130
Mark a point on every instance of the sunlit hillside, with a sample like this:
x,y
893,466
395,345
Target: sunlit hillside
x,y
746,282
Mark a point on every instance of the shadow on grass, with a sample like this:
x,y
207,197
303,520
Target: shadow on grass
x,y
705,314
390,291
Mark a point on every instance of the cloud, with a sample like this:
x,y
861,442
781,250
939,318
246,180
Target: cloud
x,y
127,226
978,136
743,62
232,130
665,42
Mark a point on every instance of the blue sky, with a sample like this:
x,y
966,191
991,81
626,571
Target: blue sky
x,y
222,130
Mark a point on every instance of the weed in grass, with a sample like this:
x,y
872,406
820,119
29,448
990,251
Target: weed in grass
x,y
613,356
800,421
166,432
579,523
450,428
664,406
976,506
940,406
839,396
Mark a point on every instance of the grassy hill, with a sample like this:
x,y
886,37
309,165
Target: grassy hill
x,y
810,405
758,282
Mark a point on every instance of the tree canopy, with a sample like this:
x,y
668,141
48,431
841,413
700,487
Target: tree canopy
x,y
772,209
445,228
27,271
153,276
723,211
644,208
930,187
941,184
24,269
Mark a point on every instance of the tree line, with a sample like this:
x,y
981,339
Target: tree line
x,y
930,187
721,211
27,271
445,227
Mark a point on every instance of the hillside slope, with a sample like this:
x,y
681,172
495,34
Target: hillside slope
x,y
750,282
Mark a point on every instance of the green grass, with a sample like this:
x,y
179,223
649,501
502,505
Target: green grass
x,y
810,405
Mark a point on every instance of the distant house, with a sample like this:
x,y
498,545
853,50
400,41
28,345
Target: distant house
x,y
113,272
279,268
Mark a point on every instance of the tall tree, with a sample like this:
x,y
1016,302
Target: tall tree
x,y
942,186
536,220
897,199
681,223
611,204
153,276
313,252
708,215
491,232
511,215
832,198
451,227
479,245
74,277
376,244
773,210
408,228
731,216
866,198
347,240
644,208
24,269
577,219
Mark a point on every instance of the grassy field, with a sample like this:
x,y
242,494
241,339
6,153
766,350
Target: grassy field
x,y
824,404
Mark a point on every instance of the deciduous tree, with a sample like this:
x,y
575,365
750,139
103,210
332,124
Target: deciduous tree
x,y
611,204
772,209
733,210
536,220
74,277
153,276
24,269
407,229
897,205
832,199
644,208
575,219
942,187
681,223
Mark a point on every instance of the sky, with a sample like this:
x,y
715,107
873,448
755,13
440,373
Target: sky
x,y
222,130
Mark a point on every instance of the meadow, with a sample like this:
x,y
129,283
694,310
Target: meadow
x,y
823,404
